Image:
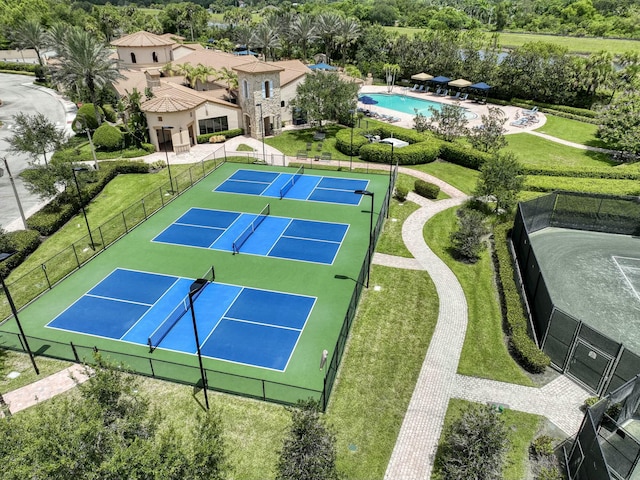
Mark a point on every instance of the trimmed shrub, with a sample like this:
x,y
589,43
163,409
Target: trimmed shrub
x,y
542,446
108,137
461,155
401,193
19,67
23,242
217,138
628,172
227,134
343,141
109,113
86,118
51,217
426,189
408,135
521,345
418,153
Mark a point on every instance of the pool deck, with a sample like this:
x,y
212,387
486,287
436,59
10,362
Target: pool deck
x,y
406,119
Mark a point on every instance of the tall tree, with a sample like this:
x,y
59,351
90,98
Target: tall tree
x,y
390,72
489,136
619,124
323,96
35,135
328,27
86,62
303,32
31,34
309,451
449,122
501,178
266,38
348,34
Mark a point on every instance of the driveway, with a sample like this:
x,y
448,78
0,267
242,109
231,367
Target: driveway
x,y
18,94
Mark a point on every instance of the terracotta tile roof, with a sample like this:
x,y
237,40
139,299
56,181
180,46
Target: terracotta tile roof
x,y
258,67
212,58
292,70
170,97
142,39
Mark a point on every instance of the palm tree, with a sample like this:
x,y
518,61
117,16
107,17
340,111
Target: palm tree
x,y
266,38
30,34
85,62
390,72
328,26
193,75
348,34
303,31
244,36
229,77
56,37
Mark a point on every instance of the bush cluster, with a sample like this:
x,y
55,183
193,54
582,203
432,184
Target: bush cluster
x,y
108,137
18,67
401,193
86,118
426,189
343,141
574,113
58,212
227,134
408,135
417,153
109,113
23,242
462,155
627,173
522,346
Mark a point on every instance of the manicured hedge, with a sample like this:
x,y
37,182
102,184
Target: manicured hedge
x,y
406,134
628,172
108,137
575,113
109,113
23,242
18,67
462,155
77,155
86,118
540,183
523,348
227,133
343,141
418,153
58,212
426,189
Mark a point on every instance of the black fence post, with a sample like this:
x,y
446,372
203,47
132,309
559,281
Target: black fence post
x,y
46,277
75,353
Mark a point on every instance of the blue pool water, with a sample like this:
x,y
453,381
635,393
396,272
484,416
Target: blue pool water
x,y
406,104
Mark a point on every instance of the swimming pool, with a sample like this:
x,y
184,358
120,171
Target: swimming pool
x,y
406,104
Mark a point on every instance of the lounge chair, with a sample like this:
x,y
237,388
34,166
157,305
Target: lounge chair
x,y
426,90
464,97
532,111
437,92
456,96
521,122
444,93
419,90
415,87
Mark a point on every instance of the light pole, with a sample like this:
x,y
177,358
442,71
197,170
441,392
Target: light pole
x,y
194,289
15,192
390,179
75,178
353,124
4,256
166,154
264,157
372,195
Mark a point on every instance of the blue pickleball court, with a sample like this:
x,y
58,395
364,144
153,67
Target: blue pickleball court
x,y
236,324
259,234
314,188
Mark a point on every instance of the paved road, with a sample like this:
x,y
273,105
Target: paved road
x,y
18,94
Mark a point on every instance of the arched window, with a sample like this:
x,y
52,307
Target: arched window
x,y
133,57
245,89
154,56
267,89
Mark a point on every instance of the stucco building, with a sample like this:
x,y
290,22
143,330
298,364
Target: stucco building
x,y
177,114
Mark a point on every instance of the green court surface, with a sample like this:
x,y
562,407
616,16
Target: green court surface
x,y
595,277
333,285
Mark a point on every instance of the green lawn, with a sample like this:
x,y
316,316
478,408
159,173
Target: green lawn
x,y
536,151
573,44
11,361
591,185
572,131
293,141
464,179
390,242
484,353
521,427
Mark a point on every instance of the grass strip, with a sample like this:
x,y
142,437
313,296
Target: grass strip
x,y
386,350
521,427
572,131
543,183
536,151
484,353
464,179
391,242
11,361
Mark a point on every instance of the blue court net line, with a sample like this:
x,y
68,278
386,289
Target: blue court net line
x,y
291,182
244,236
165,327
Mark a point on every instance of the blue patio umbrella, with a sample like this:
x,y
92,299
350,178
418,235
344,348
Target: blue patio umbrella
x,y
367,100
245,52
322,66
480,86
440,79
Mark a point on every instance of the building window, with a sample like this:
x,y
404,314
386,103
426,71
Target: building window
x,y
133,57
154,57
159,119
245,89
282,103
267,89
213,125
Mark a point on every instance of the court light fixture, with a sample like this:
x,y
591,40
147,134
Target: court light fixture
x,y
4,256
75,170
372,195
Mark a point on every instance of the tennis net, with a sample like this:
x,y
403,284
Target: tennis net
x,y
244,236
291,182
176,314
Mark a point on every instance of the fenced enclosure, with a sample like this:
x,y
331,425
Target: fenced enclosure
x,y
608,442
187,371
576,347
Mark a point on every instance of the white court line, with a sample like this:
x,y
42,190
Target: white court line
x,y
625,276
